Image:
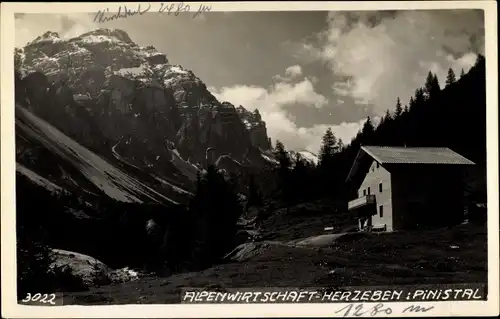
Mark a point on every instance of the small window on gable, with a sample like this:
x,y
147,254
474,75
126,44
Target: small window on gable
x,y
368,190
380,187
381,211
378,165
364,192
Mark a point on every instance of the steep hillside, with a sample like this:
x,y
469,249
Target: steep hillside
x,y
133,109
65,161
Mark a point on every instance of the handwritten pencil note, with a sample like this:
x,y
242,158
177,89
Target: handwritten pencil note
x,y
167,8
368,310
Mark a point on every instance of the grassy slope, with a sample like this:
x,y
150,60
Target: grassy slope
x,y
454,255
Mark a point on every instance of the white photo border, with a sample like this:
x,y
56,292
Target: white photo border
x,y
11,309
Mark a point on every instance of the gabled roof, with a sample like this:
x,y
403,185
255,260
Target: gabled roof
x,y
415,155
407,155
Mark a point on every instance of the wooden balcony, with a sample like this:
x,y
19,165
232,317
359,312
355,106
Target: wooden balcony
x,y
360,202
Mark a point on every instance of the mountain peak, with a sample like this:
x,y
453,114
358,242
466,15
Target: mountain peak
x,y
47,37
116,33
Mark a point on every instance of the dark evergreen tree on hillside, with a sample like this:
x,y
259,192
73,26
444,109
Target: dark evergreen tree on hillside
x,y
328,148
367,132
329,172
411,103
299,179
479,60
419,97
285,163
450,79
428,87
282,155
399,109
431,87
436,88
462,73
340,145
387,116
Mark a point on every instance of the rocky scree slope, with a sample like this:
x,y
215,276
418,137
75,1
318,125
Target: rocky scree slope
x,y
148,119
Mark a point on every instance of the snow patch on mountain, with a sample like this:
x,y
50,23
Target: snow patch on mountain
x,y
269,159
177,69
310,157
133,72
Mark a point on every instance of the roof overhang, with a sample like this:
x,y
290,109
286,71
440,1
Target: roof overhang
x,y
361,164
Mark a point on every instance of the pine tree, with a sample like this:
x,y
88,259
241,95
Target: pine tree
x,y
399,109
462,73
328,148
479,59
387,116
428,87
450,79
368,129
298,180
406,109
340,145
282,155
436,88
411,103
419,96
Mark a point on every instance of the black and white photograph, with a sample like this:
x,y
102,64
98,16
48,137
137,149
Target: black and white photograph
x,y
170,152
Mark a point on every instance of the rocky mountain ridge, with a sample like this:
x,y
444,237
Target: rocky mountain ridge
x,y
130,106
304,155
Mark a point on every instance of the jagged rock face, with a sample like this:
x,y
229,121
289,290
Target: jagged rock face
x,y
256,126
127,101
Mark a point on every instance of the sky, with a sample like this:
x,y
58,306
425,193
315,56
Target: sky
x,y
304,71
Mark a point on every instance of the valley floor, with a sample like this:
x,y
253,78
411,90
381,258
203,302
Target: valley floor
x,y
452,255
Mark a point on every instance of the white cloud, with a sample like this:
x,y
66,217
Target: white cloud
x,y
272,104
293,71
376,64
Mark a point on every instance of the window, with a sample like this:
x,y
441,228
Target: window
x,y
368,190
364,192
380,187
378,165
381,211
